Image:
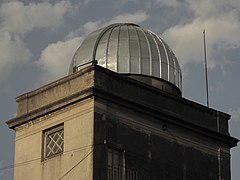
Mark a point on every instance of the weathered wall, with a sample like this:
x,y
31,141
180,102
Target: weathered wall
x,y
78,142
158,149
155,100
54,92
163,136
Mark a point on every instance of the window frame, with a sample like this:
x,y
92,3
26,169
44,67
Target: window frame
x,y
45,135
116,166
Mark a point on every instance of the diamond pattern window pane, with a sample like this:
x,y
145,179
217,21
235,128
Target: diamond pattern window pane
x,y
54,139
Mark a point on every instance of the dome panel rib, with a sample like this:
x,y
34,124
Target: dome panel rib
x,y
129,49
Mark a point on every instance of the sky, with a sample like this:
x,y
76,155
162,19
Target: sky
x,y
39,37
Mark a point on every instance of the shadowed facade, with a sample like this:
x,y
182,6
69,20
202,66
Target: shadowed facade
x,y
99,123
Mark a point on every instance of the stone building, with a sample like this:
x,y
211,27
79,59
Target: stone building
x,y
119,115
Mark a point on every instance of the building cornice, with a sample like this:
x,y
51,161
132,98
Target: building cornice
x,y
95,81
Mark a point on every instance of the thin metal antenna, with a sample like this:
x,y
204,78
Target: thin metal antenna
x,y
205,58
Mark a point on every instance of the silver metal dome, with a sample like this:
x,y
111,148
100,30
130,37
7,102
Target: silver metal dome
x,y
129,49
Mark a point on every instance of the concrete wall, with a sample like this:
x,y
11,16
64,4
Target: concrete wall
x,y
163,136
158,149
78,141
153,99
54,93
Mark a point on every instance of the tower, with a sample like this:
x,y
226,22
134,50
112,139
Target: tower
x,y
120,114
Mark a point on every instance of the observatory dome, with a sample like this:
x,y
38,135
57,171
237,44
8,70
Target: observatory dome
x,y
129,49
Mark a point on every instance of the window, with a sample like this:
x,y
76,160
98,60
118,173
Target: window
x,y
115,165
117,169
53,141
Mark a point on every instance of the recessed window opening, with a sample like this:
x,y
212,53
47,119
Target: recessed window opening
x,y
117,169
53,141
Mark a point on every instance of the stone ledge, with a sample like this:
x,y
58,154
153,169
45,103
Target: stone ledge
x,y
97,81
62,103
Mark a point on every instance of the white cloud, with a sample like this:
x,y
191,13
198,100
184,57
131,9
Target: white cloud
x,y
169,3
124,2
88,27
19,18
235,114
85,29
221,21
137,17
92,26
56,57
213,8
12,50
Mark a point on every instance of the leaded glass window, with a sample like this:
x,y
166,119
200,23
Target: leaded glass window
x,y
53,141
